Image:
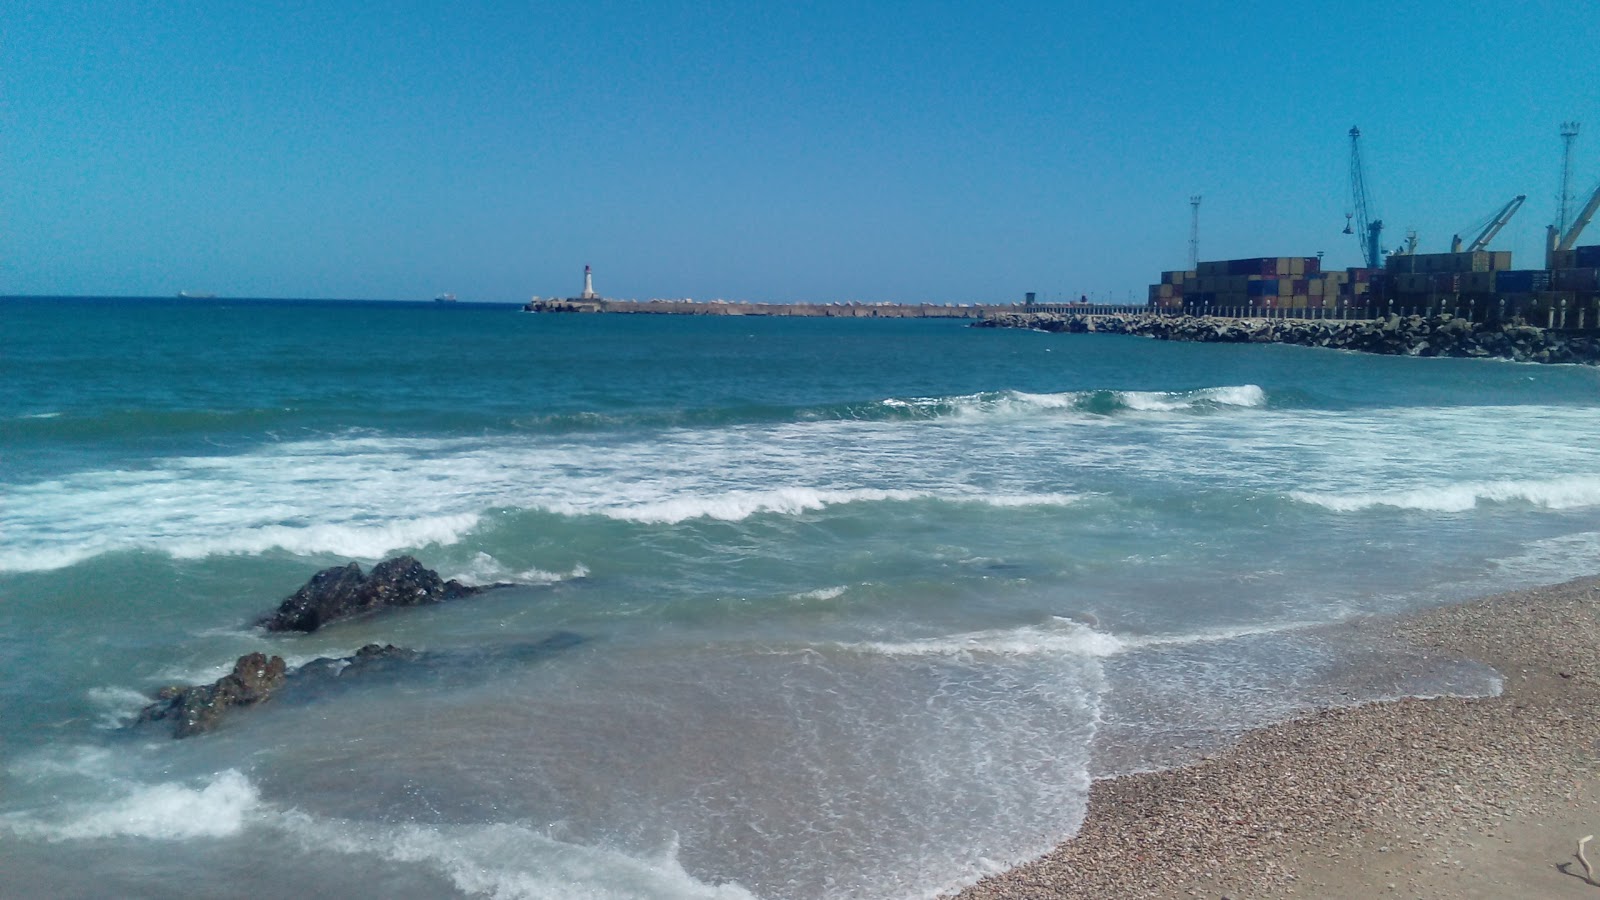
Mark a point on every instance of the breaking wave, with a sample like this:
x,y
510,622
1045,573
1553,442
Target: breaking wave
x,y
1106,402
1570,492
169,811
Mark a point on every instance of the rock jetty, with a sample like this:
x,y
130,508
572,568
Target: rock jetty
x,y
343,592
1440,335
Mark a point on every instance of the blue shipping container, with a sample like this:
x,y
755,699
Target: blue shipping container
x,y
1522,281
1263,288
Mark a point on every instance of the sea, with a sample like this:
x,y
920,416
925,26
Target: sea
x,y
857,608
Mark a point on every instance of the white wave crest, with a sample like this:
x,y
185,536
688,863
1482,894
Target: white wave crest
x,y
1571,492
168,811
355,541
1060,637
485,569
828,593
736,506
1019,500
1244,395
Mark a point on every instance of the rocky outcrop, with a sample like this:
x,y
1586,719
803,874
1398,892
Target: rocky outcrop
x,y
1441,335
343,592
196,709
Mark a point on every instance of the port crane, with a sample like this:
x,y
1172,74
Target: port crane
x,y
1371,229
1566,241
1496,222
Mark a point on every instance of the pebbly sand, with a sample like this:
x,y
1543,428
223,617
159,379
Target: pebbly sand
x,y
1441,798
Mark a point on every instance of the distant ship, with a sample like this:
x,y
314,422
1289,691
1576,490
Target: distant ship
x,y
445,298
191,295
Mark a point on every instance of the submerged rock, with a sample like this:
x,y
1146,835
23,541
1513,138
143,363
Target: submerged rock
x,y
343,592
257,678
198,708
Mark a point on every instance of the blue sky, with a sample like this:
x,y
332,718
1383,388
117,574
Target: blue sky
x,y
931,151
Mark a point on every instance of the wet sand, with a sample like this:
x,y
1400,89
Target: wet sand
x,y
1441,798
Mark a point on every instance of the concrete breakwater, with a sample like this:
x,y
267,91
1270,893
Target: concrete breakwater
x,y
733,308
1439,335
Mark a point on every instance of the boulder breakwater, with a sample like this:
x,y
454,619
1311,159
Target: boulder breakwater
x,y
1439,335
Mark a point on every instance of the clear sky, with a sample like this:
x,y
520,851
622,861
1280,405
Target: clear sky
x,y
927,151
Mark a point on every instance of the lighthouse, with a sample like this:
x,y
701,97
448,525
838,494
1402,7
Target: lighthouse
x,y
588,286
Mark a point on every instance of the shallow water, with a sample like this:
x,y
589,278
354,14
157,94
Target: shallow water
x,y
865,604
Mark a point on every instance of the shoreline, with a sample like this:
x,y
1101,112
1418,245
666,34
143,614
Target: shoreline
x,y
1425,798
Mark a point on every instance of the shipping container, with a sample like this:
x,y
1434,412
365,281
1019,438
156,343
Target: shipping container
x,y
1587,279
1586,257
1563,259
1262,288
1522,281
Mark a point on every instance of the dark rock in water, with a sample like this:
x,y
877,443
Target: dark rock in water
x,y
371,658
343,592
255,677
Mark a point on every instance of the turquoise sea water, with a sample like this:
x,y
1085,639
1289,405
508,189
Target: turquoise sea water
x,y
866,604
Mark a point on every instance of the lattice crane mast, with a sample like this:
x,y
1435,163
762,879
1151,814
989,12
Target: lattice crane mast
x,y
1371,229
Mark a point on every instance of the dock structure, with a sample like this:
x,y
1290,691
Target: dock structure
x,y
800,310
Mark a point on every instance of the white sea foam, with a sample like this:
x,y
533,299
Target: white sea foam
x,y
1019,500
118,705
357,541
1244,395
169,811
1550,560
735,506
485,569
510,861
1569,492
829,593
1060,637
365,497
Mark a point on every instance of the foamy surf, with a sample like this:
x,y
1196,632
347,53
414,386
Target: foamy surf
x,y
513,861
1015,404
1059,637
218,807
1569,492
484,569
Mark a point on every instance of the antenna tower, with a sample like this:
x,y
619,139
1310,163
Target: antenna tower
x,y
1194,232
1569,133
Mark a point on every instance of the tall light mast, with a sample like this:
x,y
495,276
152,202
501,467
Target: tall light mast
x,y
1370,229
1194,232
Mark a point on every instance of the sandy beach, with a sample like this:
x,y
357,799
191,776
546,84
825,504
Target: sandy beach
x,y
1437,798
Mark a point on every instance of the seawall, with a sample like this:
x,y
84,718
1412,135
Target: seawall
x,y
801,310
1439,335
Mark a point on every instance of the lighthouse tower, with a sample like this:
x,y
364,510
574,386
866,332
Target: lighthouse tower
x,y
588,286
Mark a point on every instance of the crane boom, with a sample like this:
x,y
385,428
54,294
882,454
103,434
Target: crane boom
x,y
1370,228
1584,215
1499,222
